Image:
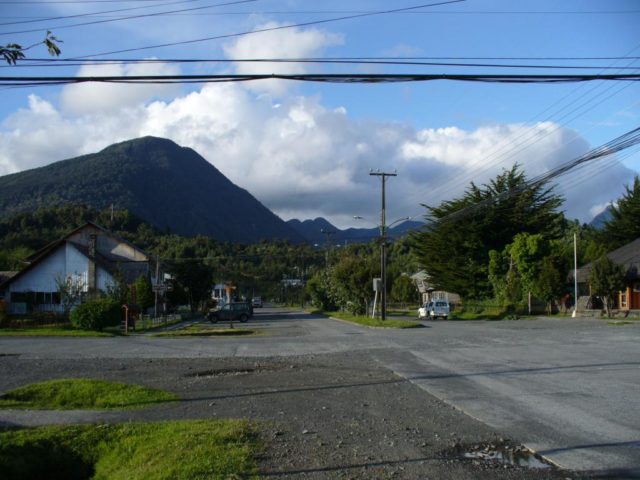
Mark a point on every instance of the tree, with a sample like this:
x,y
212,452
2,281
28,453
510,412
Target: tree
x,y
404,290
351,282
454,247
195,278
145,297
12,52
606,280
70,289
550,283
624,226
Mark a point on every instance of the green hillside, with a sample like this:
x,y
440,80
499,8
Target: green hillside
x,y
169,186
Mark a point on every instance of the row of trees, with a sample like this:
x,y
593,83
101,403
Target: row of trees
x,y
508,239
346,283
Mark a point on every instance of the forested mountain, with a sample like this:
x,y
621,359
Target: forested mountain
x,y
169,186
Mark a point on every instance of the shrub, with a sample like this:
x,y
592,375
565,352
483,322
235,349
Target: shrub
x,y
96,314
4,318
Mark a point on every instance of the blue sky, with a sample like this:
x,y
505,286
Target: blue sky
x,y
305,149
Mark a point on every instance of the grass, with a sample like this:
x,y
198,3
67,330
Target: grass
x,y
199,331
618,323
191,449
83,393
58,331
374,322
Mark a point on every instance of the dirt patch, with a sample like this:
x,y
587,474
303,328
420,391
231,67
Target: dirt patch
x,y
321,416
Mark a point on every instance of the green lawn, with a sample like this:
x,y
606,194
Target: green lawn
x,y
82,393
191,449
202,331
374,322
61,331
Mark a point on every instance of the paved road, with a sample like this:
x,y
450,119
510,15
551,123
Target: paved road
x,y
568,388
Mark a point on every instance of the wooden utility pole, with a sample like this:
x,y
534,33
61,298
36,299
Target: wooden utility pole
x,y
383,243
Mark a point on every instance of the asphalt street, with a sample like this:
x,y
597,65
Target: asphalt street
x,y
568,388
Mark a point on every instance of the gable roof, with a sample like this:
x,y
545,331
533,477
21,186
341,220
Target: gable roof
x,y
48,248
628,256
107,264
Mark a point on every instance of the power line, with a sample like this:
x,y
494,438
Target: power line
x,y
530,136
131,17
627,140
91,14
334,61
270,29
312,77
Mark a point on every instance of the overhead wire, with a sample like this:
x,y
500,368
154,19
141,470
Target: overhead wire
x,y
530,135
312,77
624,141
92,14
130,17
271,29
334,61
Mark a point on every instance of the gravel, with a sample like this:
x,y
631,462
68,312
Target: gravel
x,y
320,416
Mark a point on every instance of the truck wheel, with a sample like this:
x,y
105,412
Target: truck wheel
x,y
244,318
213,319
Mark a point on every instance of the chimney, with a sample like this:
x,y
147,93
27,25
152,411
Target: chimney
x,y
92,273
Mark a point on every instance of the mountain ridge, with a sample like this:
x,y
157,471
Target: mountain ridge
x,y
170,186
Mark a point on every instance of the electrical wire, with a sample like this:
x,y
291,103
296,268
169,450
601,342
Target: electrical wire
x,y
323,78
130,17
499,152
397,62
271,29
80,15
627,140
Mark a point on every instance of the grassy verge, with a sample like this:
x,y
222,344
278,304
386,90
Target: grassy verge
x,y
200,331
61,331
83,393
218,449
374,322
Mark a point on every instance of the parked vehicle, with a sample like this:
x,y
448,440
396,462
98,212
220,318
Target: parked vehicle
x,y
256,302
434,309
242,311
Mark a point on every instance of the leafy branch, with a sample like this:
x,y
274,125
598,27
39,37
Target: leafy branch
x,y
12,52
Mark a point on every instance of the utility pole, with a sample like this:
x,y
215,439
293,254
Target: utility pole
x,y
327,234
383,243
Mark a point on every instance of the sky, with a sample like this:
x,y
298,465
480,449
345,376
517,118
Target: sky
x,y
306,149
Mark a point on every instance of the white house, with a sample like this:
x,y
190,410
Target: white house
x,y
428,292
90,257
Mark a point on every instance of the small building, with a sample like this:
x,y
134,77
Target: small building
x,y
629,257
428,292
91,257
223,292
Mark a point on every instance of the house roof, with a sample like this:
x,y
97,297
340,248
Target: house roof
x,y
6,275
47,248
108,264
628,256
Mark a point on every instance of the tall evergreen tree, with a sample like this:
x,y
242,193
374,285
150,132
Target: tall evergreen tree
x,y
454,246
624,226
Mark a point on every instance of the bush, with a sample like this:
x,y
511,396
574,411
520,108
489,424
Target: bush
x,y
4,318
96,314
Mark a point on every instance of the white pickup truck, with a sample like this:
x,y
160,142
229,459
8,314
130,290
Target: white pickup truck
x,y
434,309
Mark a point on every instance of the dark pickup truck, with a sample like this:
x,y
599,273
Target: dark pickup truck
x,y
231,311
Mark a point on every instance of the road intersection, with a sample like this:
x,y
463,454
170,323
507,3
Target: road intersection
x,y
567,388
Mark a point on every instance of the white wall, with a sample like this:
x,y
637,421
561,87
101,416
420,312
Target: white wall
x,y
62,262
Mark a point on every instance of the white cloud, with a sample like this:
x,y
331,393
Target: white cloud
x,y
285,43
83,98
305,160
